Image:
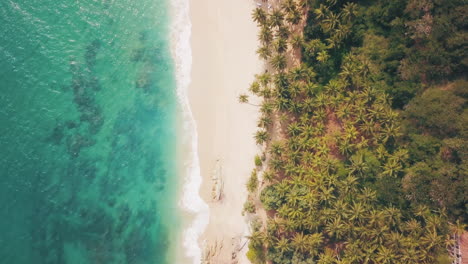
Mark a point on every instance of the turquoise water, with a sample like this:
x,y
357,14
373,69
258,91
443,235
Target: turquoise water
x,y
87,132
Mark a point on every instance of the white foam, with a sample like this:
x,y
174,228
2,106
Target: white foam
x,y
191,200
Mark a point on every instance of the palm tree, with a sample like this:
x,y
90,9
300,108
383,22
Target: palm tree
x,y
362,143
395,240
254,87
294,17
278,62
349,184
333,86
283,32
264,79
335,228
385,255
349,10
356,212
276,148
265,36
422,211
261,136
322,56
368,195
328,257
264,122
267,108
243,98
345,146
321,100
308,105
392,215
341,33
303,3
310,89
295,107
344,111
411,255
283,189
283,245
276,18
276,164
268,176
307,131
297,41
281,81
294,129
296,75
390,131
331,22
293,198
326,194
400,156
375,218
457,228
332,42
314,241
412,226
321,11
367,127
323,150
257,238
280,45
391,168
377,234
351,132
358,165
264,53
300,242
260,16
381,152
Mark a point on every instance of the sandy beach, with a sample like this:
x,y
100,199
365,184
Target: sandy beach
x,y
224,40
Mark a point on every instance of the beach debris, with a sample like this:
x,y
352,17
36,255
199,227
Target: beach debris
x,y
218,183
210,252
236,247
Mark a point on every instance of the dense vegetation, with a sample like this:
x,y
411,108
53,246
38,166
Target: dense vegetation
x,y
364,126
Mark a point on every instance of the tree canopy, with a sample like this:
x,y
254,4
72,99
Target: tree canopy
x,y
363,129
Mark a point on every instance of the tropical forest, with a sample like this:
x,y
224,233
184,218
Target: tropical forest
x,y
363,132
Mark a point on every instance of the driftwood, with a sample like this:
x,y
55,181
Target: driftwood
x,y
218,183
212,253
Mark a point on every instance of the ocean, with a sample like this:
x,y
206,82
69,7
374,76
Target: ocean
x,y
89,132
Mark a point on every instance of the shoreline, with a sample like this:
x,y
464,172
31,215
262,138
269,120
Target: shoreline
x,y
223,42
193,210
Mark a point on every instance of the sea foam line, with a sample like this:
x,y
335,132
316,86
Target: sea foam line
x,y
191,201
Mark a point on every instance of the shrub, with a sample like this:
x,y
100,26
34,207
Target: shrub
x,y
268,176
252,183
270,198
249,207
258,161
255,255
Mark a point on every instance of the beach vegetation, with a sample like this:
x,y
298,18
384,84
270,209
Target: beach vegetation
x,y
243,98
252,183
249,207
258,161
363,125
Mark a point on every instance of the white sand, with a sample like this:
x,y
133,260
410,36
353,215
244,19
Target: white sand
x,y
224,40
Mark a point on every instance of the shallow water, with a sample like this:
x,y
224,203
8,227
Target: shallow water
x,y
87,132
